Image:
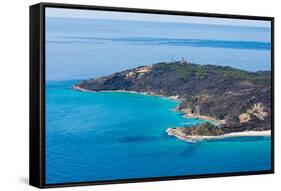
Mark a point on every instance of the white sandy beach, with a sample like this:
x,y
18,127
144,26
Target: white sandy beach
x,y
77,88
192,138
125,91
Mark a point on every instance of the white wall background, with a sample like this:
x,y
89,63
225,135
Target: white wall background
x,y
14,39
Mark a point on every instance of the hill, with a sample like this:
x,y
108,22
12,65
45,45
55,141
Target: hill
x,y
235,100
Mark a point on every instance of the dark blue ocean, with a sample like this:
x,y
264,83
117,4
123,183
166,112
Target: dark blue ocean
x,y
108,136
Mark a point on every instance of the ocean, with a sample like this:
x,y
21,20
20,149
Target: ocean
x,y
109,136
87,48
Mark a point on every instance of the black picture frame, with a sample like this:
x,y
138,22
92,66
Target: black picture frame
x,y
37,93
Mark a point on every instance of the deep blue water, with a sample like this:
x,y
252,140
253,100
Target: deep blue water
x,y
108,136
168,41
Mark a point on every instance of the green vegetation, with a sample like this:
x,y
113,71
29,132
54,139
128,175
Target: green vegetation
x,y
216,91
205,129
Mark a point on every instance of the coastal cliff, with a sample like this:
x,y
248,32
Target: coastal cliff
x,y
232,100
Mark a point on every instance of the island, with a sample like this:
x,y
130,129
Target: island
x,y
230,101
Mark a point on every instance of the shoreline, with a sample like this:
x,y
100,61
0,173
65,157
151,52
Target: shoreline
x,y
185,113
212,120
176,98
195,138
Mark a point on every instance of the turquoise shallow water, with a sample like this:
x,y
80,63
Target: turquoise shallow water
x,y
109,136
